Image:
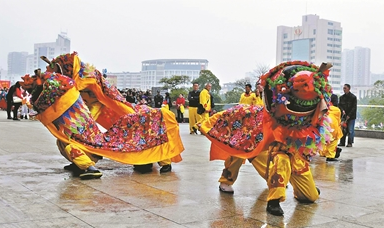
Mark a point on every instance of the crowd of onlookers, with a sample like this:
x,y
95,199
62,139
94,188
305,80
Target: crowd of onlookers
x,y
137,96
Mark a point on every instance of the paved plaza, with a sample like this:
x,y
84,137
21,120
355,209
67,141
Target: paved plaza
x,y
35,190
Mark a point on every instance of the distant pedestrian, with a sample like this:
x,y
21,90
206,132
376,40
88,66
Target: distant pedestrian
x,y
193,100
348,107
14,91
180,103
205,104
167,101
158,99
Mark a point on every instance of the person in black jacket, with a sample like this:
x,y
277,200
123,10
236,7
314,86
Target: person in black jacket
x,y
348,107
167,100
158,100
14,91
193,99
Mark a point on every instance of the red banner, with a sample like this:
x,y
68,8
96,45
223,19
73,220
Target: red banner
x,y
4,83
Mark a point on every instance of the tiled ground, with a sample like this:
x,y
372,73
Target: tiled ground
x,y
35,191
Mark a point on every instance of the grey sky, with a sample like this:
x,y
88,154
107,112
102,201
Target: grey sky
x,y
234,35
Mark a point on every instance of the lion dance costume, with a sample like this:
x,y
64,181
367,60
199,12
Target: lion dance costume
x,y
281,137
72,98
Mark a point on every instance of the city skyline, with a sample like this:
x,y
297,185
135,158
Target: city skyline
x,y
233,37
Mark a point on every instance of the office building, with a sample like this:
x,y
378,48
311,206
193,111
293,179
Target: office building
x,y
62,45
127,79
152,71
315,40
356,66
17,63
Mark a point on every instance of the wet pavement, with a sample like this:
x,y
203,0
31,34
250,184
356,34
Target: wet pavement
x,y
35,190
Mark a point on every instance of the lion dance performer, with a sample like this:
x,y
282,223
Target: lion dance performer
x,y
71,98
281,137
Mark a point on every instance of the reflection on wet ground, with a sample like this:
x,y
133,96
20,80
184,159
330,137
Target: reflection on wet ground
x,y
36,191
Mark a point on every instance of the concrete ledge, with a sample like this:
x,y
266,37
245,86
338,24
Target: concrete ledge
x,y
369,134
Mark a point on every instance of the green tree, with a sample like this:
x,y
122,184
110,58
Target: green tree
x,y
174,94
174,82
206,76
375,115
176,85
234,95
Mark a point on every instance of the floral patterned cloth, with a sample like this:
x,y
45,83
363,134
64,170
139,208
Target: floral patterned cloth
x,y
240,127
131,133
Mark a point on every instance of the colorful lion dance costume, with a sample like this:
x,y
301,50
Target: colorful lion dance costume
x,y
72,98
281,137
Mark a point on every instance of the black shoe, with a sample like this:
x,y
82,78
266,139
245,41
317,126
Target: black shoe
x,y
9,118
76,171
331,159
147,168
341,144
71,167
338,151
16,119
273,207
349,145
25,117
194,130
90,174
166,168
21,117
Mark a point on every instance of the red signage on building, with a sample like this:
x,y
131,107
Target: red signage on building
x,y
5,84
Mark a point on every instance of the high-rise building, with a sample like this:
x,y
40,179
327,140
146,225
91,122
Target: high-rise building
x,y
347,66
29,64
317,41
356,71
154,70
62,45
17,63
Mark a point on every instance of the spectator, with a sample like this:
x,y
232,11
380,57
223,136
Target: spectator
x,y
167,101
193,99
205,102
158,99
348,107
14,91
180,103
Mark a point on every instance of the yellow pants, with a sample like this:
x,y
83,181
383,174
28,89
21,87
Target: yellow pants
x,y
203,117
282,169
165,162
193,117
73,154
330,149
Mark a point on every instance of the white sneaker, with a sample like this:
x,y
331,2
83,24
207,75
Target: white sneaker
x,y
226,188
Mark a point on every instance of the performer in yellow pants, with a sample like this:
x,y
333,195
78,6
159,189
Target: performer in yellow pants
x,y
232,164
282,169
205,101
81,160
194,100
193,118
332,152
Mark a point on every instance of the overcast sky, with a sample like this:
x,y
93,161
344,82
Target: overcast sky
x,y
233,35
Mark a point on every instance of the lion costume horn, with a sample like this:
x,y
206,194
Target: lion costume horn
x,y
56,66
